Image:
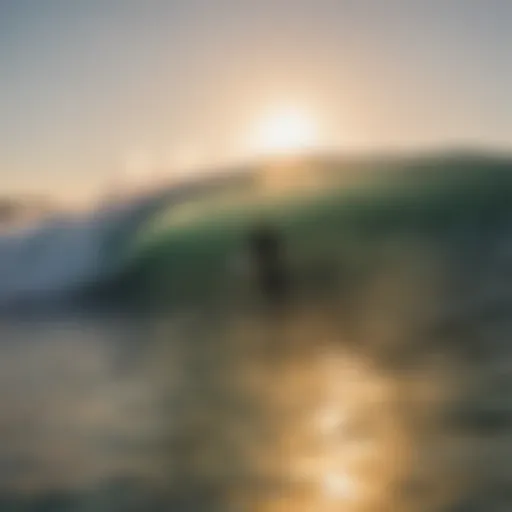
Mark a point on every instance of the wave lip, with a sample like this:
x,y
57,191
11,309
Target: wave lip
x,y
69,255
55,258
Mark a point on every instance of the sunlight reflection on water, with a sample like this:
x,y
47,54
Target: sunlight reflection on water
x,y
81,410
183,415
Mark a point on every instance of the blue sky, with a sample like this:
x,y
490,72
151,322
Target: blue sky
x,y
90,88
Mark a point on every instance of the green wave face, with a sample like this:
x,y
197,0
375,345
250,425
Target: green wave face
x,y
186,254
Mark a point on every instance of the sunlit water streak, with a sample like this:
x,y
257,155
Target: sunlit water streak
x,y
390,412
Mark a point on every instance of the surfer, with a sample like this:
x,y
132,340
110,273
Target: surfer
x,y
266,249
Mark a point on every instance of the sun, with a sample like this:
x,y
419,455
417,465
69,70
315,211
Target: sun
x,y
285,131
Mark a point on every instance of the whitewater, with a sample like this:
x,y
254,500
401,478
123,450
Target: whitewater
x,y
67,255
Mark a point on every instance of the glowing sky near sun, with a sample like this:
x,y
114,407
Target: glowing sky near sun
x,y
92,88
285,130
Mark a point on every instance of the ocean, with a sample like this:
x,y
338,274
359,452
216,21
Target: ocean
x,y
140,370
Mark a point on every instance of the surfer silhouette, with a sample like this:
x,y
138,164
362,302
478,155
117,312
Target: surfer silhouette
x,y
267,252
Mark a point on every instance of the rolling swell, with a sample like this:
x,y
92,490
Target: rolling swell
x,y
458,205
75,257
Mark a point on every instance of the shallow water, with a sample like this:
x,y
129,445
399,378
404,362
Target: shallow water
x,y
403,405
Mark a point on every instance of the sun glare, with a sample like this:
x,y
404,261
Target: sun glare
x,y
286,131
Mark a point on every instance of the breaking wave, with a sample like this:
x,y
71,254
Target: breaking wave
x,y
66,256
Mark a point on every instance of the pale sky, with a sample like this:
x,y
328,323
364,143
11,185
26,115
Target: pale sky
x,y
91,89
